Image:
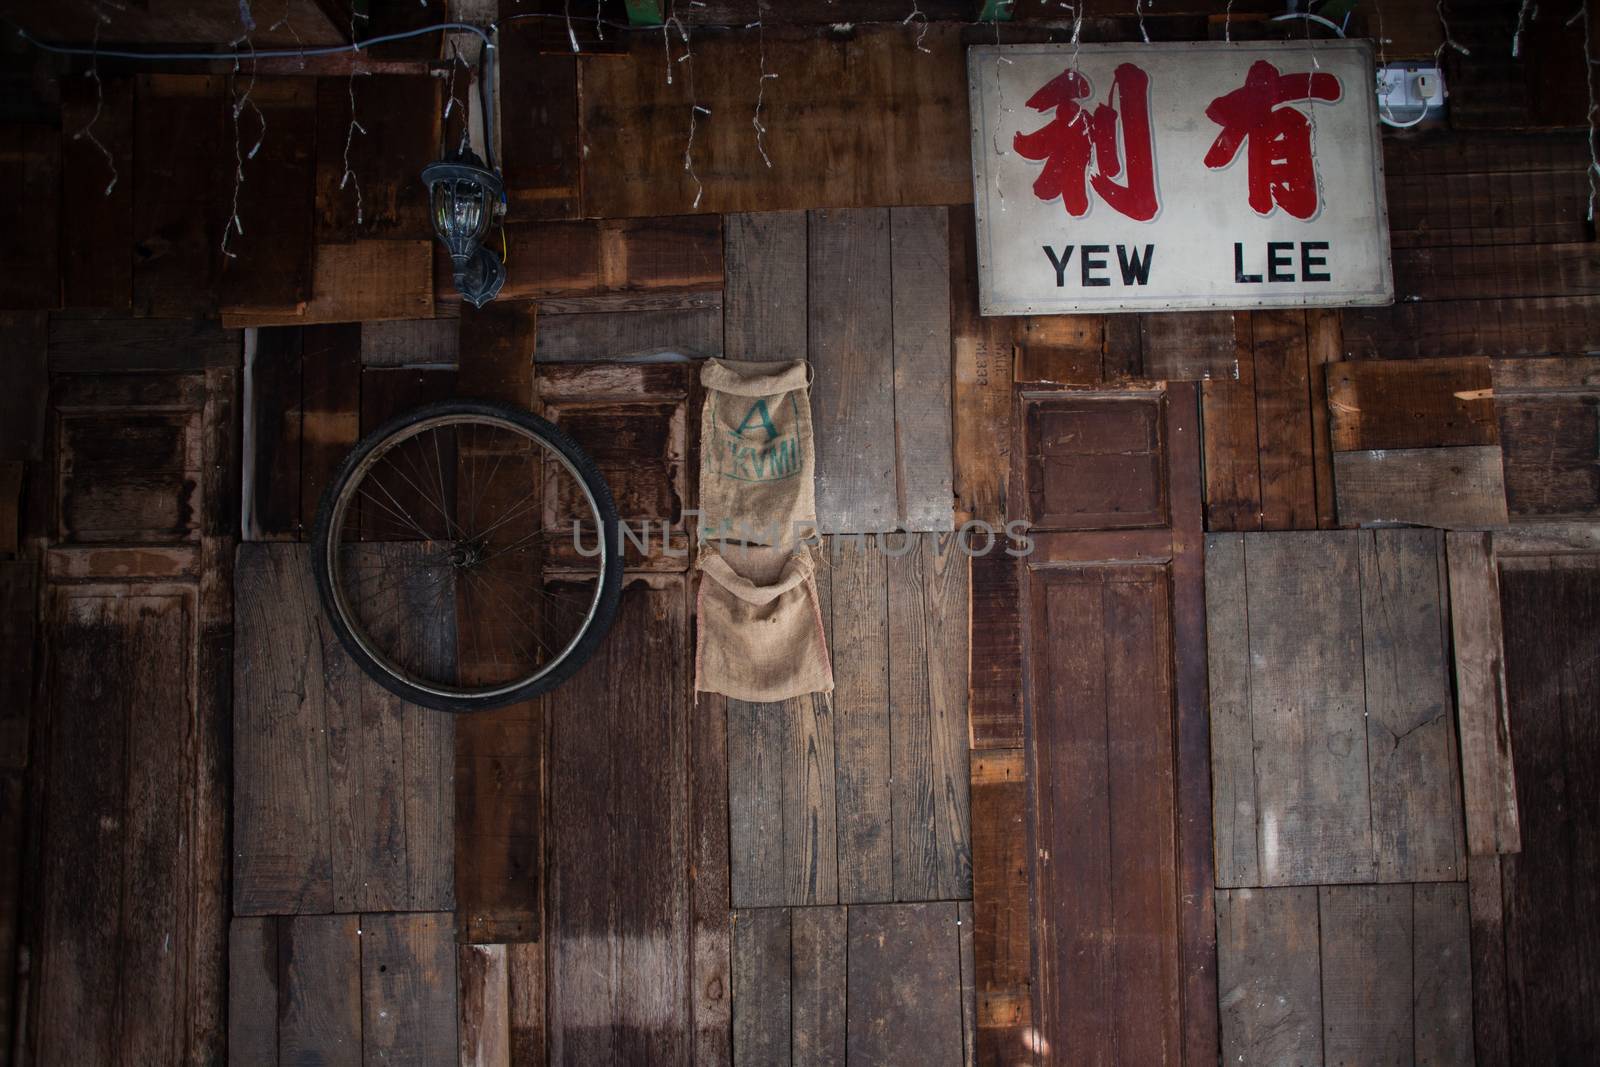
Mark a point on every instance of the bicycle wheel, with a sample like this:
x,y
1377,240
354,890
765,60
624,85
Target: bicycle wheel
x,y
467,555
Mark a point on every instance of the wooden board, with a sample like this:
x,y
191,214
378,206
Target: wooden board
x,y
903,985
692,333
1500,326
851,331
1269,976
270,251
818,943
1549,420
618,896
1366,973
409,342
539,138
97,234
920,309
1421,403
30,174
984,355
1283,427
1001,916
253,990
1190,345
276,419
319,989
330,410
1442,1028
761,986
341,802
1232,452
95,343
408,989
369,176
764,314
913,152
994,641
177,213
1552,950
356,282
1446,487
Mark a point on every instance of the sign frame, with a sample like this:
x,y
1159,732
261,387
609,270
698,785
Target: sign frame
x,y
984,60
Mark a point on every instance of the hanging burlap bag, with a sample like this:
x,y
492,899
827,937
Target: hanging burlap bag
x,y
760,641
757,464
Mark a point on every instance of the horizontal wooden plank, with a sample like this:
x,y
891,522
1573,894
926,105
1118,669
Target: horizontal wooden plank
x,y
99,343
1486,272
1530,326
1421,403
1445,487
356,282
694,333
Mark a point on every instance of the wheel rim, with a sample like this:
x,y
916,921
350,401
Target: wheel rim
x,y
447,583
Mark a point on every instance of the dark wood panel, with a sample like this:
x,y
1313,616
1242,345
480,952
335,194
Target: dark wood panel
x,y
253,990
103,342
1549,420
1269,975
762,1018
1442,1030
1422,403
369,177
984,358
903,988
319,990
97,233
863,792
541,159
1552,940
177,207
694,333
818,943
408,990
1366,973
994,707
764,315
1480,272
30,177
330,410
1446,487
1283,427
1511,326
1232,456
619,899
1002,919
277,418
269,249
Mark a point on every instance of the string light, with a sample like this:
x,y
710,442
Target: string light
x,y
1588,71
761,90
1138,9
922,20
1523,14
349,176
234,224
99,106
1449,41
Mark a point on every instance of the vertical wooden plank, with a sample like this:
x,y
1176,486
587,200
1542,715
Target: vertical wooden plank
x,y
994,656
77,1005
19,608
483,1020
711,966
24,403
253,990
1366,973
1324,345
817,950
1232,456
1488,776
1308,709
1490,1022
969,1003
330,409
928,767
177,232
1411,751
619,899
1269,975
763,316
758,747
761,986
903,986
1002,921
542,161
920,272
1442,966
14,823
850,325
984,351
525,972
319,998
810,814
282,839
408,990
275,422
861,702
97,233
1283,413
30,174
385,196
1233,755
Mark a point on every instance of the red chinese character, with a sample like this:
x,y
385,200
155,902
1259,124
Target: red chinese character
x,y
1282,170
1069,140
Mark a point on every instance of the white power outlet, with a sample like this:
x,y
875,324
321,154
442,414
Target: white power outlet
x,y
1408,93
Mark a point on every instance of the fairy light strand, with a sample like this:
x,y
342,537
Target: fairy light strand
x,y
99,106
1523,14
240,103
921,18
1582,16
761,91
349,176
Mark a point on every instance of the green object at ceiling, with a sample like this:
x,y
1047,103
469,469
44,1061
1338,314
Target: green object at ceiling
x,y
645,12
996,10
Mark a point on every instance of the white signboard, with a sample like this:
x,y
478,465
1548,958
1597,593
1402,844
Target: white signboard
x,y
1149,177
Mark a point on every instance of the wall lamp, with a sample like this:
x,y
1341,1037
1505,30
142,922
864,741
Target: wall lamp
x,y
467,196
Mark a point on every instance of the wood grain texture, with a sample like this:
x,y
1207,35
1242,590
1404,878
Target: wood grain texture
x,y
912,152
1412,760
994,642
369,181
483,1006
1367,966
101,219
1442,1027
764,312
920,273
619,949
927,597
541,163
1549,418
30,167
1502,326
1421,403
106,342
694,333
319,991
330,410
1488,774
1491,1037
1269,975
1283,413
711,962
271,245
1232,459
863,755
1446,487
761,986
818,940
984,356
1002,919
408,990
356,282
1189,346
253,990
903,989
851,331
177,149
1235,817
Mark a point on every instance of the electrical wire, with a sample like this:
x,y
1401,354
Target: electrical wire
x,y
263,53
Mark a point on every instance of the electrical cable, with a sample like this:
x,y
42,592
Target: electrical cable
x,y
263,53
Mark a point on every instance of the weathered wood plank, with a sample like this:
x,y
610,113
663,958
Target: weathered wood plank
x,y
253,990
1269,975
1324,346
19,611
818,940
1486,272
525,967
1490,1004
981,413
1232,457
1421,403
177,146
1509,326
406,342
1488,776
329,402
694,333
915,152
711,966
1549,419
99,343
994,641
764,317
408,990
270,250
1283,412
1002,922
1189,346
761,986
483,1006
541,163
920,308
861,706
358,281
1442,976
1367,959
1447,487
30,173
904,982
618,899
852,396
319,991
1233,757
1412,760
1307,708
369,180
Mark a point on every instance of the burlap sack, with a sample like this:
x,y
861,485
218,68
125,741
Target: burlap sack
x,y
757,465
760,641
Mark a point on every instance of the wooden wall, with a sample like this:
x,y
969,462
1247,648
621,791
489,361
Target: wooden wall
x,y
827,877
